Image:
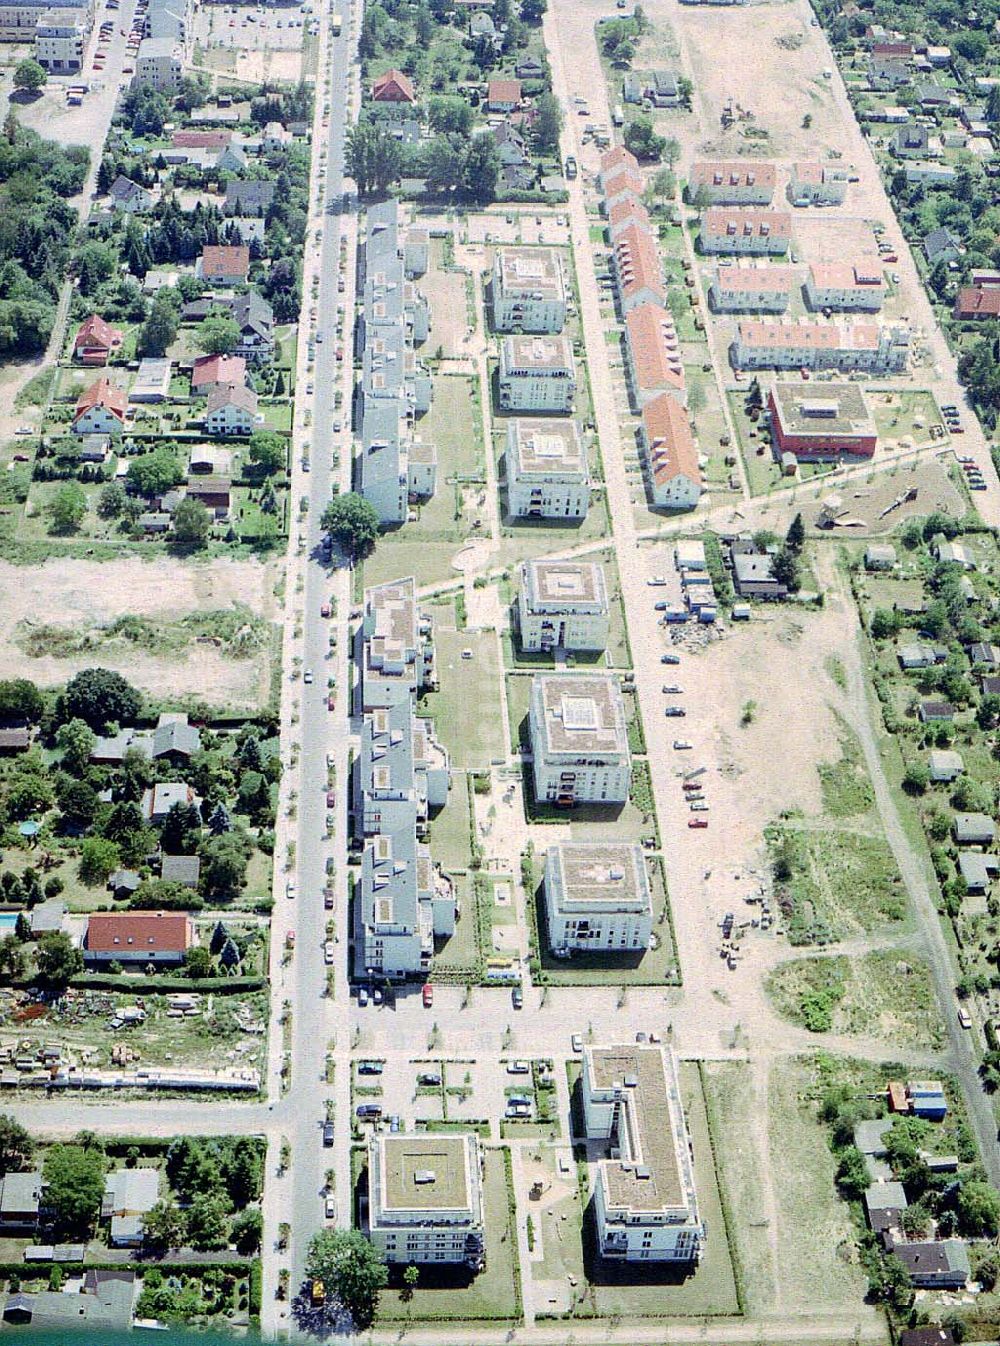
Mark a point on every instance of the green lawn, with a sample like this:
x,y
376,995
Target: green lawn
x,y
454,426
451,1296
466,706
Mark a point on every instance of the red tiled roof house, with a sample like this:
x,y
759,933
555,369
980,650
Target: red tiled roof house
x,y
100,409
393,87
140,937
223,264
671,456
96,341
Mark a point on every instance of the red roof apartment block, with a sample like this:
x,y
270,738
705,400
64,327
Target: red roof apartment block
x,y
138,937
654,360
671,454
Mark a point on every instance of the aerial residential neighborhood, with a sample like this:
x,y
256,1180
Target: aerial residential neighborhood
x,y
500,671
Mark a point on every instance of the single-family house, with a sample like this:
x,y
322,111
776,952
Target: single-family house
x,y
985,653
214,493
14,739
129,1195
152,381
20,1195
529,67
912,141
213,372
662,89
753,576
954,553
886,73
394,87
224,264
920,656
945,765
184,869
503,95
159,799
927,1336
978,869
122,883
96,341
974,829
941,245
931,95
880,556
129,196
273,137
884,1204
511,147
482,25
248,197
517,177
940,1265
978,301
231,411
100,410
632,90
254,317
137,937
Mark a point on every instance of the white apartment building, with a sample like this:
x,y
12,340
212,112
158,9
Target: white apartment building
x,y
529,290
845,286
645,1202
814,184
425,1198
751,289
562,605
722,183
745,232
160,63
19,18
547,473
60,37
775,343
597,897
579,740
537,374
397,646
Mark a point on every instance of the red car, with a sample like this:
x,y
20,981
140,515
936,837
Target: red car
x,y
697,822
325,610
331,703
331,798
428,995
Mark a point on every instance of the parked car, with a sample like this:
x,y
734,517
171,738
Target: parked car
x,y
369,1067
427,995
430,1078
673,712
576,1042
328,1134
697,822
682,745
518,1068
517,998
329,952
670,658
362,996
368,1111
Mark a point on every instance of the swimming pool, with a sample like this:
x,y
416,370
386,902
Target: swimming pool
x,y
8,923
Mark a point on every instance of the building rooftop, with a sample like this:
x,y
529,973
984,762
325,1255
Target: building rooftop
x,y
822,409
599,874
556,582
861,275
580,715
536,353
777,279
545,446
424,1172
535,271
718,173
777,332
719,221
653,1173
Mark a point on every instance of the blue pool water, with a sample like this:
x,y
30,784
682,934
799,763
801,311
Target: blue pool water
x,y
8,922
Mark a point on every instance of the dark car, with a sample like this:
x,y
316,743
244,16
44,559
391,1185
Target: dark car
x,y
328,1134
517,998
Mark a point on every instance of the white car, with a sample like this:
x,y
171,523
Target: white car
x,y
657,581
307,676
576,1042
329,952
518,1068
330,1206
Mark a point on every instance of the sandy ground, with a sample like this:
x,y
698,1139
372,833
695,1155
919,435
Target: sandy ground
x,y
254,51
87,594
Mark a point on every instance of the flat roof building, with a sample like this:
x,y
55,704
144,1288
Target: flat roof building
x,y
645,1202
425,1199
397,649
562,605
597,897
529,290
751,289
547,472
579,740
821,423
537,374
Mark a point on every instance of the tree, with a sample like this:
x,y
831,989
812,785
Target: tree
x,y
785,568
29,76
443,164
268,451
208,1221
16,1145
100,696
351,1270
243,1172
192,525
57,960
352,523
978,1210
160,329
374,157
12,958
154,473
642,139
219,820
20,699
68,507
993,104
74,1185
411,1279
533,10
796,535
218,335
198,962
79,803
449,115
852,1174
895,1285
247,1230
75,739
111,502
916,778
481,170
164,1227
223,866
548,123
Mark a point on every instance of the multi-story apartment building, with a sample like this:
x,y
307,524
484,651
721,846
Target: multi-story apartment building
x,y
745,232
160,64
396,465
597,897
751,289
60,37
638,271
645,1203
620,177
562,605
547,472
425,1199
653,363
18,18
722,183
400,758
814,184
579,740
775,343
845,286
396,646
670,453
401,901
529,290
537,374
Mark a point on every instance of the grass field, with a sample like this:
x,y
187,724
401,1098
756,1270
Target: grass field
x,y
847,789
443,1296
465,687
885,994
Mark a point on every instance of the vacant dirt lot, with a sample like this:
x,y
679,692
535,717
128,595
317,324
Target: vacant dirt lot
x,y
88,594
